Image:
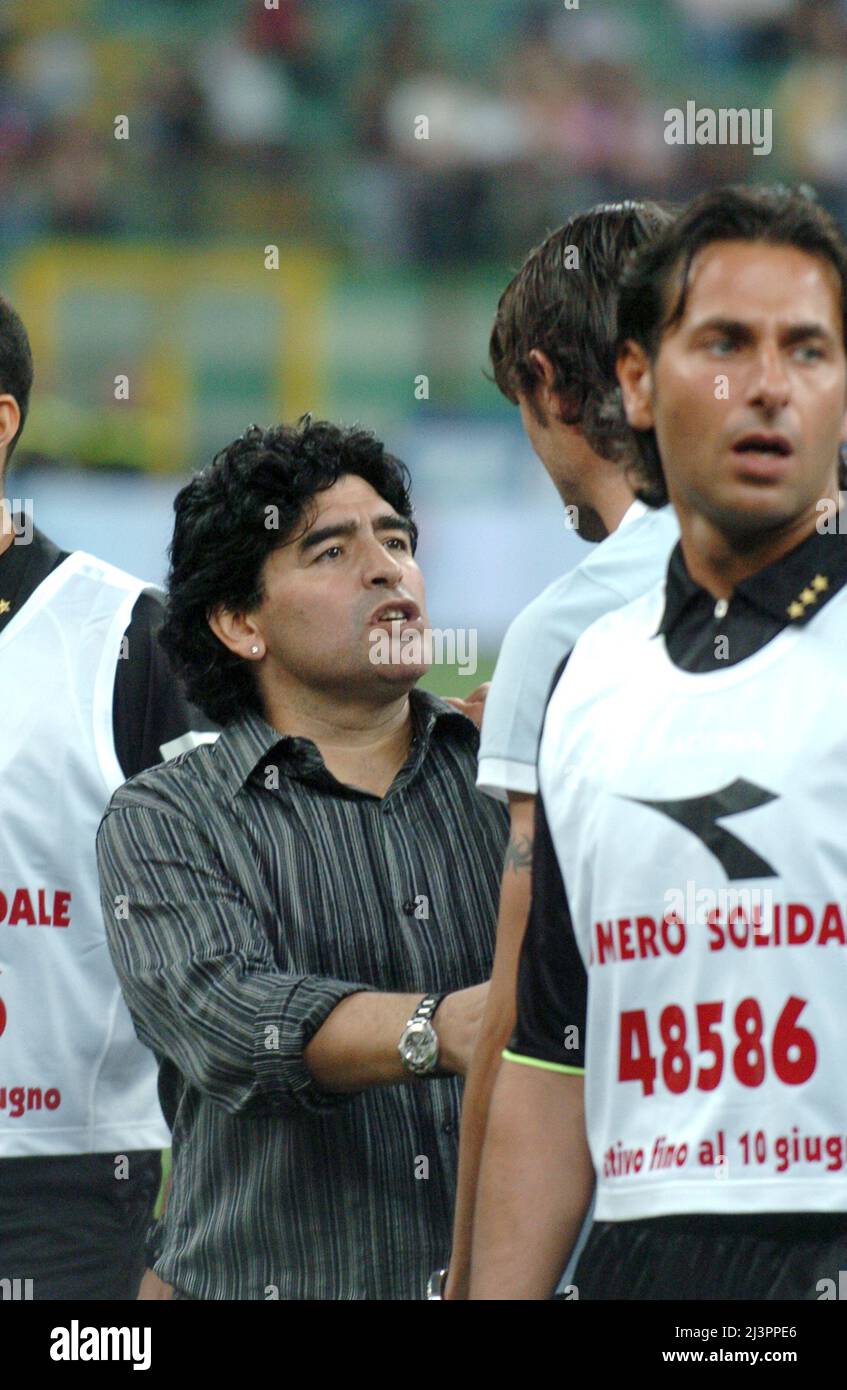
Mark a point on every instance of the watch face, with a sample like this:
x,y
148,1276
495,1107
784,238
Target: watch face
x,y
419,1046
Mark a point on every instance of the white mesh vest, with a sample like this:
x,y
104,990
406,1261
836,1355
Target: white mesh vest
x,y
712,921
73,1076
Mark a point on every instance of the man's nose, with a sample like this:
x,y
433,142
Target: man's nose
x,y
381,567
769,382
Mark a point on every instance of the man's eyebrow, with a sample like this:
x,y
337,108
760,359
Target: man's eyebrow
x,y
717,324
797,332
325,533
794,333
390,521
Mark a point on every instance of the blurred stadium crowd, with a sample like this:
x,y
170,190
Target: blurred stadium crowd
x,y
299,118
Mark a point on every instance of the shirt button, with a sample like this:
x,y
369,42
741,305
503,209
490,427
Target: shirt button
x,y
449,1127
409,907
721,608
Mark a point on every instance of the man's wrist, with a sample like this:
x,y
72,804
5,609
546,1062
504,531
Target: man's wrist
x,y
420,1042
442,1020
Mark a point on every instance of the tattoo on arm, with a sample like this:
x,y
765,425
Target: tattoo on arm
x,y
518,853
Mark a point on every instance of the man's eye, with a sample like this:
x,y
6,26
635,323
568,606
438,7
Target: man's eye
x,y
398,540
331,551
721,346
808,352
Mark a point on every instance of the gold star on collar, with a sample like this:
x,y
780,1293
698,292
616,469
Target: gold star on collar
x,y
5,605
808,596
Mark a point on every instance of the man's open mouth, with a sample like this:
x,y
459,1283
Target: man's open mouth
x,y
396,611
774,444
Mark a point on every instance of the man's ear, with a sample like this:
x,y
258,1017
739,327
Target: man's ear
x,y
546,395
635,374
238,633
544,369
10,419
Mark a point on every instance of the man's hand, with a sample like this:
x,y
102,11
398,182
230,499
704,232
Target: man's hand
x,y
474,705
456,1022
152,1287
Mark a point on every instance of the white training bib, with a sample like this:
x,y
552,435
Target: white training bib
x,y
73,1076
699,824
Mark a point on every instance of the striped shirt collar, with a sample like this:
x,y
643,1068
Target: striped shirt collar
x,y
247,741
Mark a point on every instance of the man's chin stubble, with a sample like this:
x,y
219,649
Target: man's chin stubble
x,y
743,529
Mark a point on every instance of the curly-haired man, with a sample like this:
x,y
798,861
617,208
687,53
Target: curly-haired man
x,y
309,904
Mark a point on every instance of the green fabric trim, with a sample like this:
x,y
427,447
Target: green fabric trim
x,y
546,1066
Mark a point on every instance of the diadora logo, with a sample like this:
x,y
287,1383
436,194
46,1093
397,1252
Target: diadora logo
x,y
701,814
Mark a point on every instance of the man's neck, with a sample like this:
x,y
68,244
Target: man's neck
x,y
719,562
611,498
363,744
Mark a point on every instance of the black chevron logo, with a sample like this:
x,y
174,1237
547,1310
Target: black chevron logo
x,y
700,815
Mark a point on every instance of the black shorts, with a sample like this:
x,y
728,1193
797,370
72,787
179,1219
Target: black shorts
x,y
74,1228
771,1256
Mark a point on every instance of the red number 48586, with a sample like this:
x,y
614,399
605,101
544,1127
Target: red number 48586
x,y
793,1051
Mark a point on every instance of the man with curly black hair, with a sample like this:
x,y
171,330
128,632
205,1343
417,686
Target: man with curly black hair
x,y
302,914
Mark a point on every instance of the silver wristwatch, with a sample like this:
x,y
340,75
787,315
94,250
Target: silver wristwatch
x,y
418,1045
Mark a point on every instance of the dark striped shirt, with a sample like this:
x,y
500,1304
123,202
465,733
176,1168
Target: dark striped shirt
x,y
246,892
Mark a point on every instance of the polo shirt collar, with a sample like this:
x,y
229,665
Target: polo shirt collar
x,y
250,740
791,590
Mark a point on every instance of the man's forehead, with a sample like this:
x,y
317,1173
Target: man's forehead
x,y
346,505
349,491
740,279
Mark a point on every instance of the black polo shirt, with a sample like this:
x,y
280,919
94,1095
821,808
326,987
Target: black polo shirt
x,y
787,593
